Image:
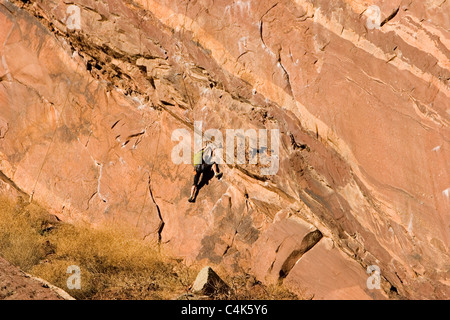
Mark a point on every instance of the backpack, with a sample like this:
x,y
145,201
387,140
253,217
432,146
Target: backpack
x,y
203,156
198,158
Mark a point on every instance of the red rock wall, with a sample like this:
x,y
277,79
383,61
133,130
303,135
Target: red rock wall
x,y
86,119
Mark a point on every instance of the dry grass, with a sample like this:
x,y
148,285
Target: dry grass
x,y
114,263
21,241
246,287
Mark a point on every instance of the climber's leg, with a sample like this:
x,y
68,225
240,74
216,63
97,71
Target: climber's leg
x,y
197,174
217,172
193,192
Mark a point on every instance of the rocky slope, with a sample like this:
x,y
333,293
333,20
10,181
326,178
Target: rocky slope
x,y
87,116
17,285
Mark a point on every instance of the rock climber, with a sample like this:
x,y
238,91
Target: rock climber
x,y
203,163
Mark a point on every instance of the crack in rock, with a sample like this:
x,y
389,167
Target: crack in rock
x,y
308,242
161,223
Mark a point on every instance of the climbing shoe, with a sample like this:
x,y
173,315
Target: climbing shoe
x,y
219,175
191,200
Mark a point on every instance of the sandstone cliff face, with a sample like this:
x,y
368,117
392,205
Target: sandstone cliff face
x,y
87,116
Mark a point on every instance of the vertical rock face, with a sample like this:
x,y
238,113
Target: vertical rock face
x,y
359,91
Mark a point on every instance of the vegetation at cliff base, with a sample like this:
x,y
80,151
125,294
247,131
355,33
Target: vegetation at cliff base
x,y
115,263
